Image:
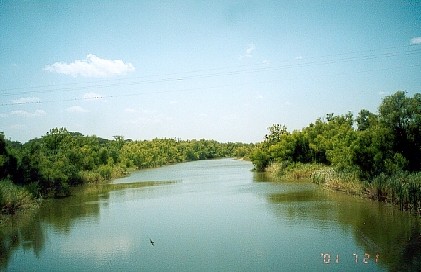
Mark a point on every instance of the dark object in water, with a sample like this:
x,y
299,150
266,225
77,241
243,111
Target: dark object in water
x,y
152,242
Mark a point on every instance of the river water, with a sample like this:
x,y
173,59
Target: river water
x,y
214,215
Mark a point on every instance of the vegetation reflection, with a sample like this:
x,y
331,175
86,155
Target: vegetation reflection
x,y
398,244
25,231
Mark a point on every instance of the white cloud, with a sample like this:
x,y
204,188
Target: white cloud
x,y
248,53
92,66
249,50
26,100
416,40
22,113
266,62
77,109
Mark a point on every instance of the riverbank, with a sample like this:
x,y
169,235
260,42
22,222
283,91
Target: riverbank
x,y
402,189
113,222
14,198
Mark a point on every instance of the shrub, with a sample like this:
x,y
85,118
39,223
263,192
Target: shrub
x,y
14,198
347,182
402,188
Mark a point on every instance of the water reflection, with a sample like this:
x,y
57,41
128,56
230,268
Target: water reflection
x,y
85,203
377,228
26,231
20,231
218,216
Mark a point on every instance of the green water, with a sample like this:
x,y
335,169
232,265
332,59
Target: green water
x,y
210,216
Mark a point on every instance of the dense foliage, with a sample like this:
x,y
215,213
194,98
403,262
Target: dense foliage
x,y
382,149
380,153
48,166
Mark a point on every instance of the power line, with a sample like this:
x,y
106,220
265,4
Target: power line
x,y
206,73
236,84
324,60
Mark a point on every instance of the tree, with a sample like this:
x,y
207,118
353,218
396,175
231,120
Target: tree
x,y
276,131
260,158
8,162
401,115
366,119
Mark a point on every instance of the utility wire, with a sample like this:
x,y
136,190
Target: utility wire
x,y
325,60
236,84
204,73
200,73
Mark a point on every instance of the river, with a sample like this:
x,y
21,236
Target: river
x,y
214,215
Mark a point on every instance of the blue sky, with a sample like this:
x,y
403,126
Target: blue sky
x,y
223,70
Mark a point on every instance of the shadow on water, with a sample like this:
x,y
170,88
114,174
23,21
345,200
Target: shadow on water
x,y
301,208
25,231
85,202
377,228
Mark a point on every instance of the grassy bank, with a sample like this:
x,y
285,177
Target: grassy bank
x,y
14,198
402,188
292,171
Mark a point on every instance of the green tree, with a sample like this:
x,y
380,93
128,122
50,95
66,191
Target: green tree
x,y
366,119
401,115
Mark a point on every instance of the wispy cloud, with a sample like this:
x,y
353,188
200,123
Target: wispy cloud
x,y
22,113
76,109
415,40
266,62
92,66
248,53
26,100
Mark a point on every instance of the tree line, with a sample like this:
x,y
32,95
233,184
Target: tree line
x,y
50,165
382,150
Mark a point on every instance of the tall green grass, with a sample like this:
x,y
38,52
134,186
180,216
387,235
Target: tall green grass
x,y
330,178
402,188
292,171
14,198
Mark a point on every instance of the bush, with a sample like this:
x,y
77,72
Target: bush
x,y
292,171
14,198
347,182
324,175
91,177
402,188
